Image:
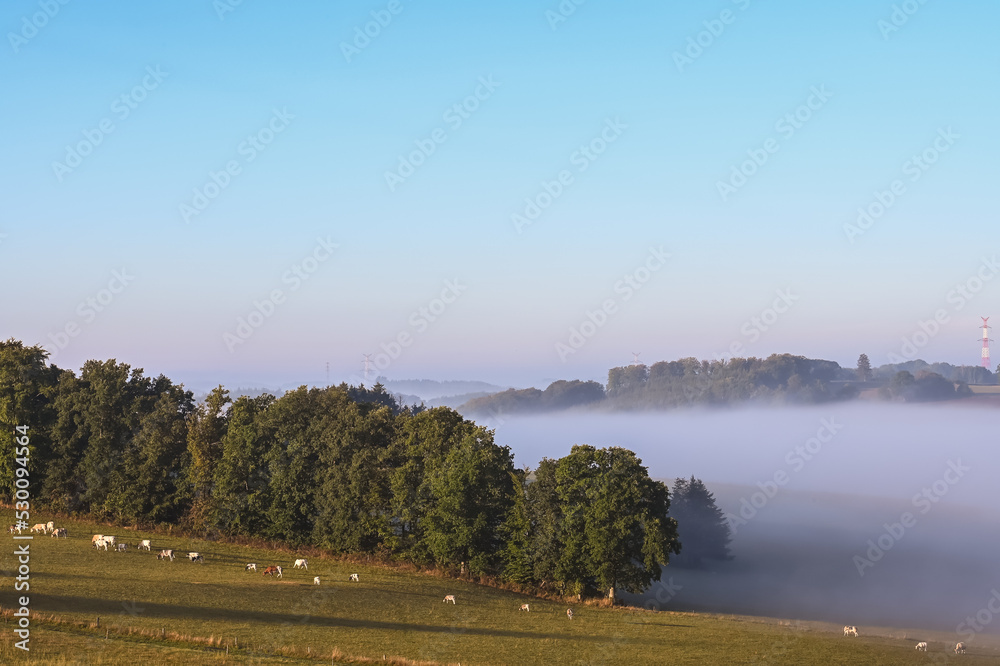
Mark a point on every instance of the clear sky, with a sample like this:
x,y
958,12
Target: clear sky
x,y
370,176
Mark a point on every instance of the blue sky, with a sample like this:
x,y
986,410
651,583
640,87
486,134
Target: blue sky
x,y
201,85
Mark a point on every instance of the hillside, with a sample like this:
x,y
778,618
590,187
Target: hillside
x,y
123,607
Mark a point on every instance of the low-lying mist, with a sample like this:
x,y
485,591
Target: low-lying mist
x,y
852,513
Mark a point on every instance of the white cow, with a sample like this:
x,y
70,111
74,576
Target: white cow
x,y
50,526
959,648
280,572
851,631
525,607
251,567
38,527
569,613
450,597
144,545
355,578
165,555
196,557
110,540
301,564
315,580
922,646
14,528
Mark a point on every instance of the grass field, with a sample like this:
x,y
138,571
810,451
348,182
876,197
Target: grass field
x,y
108,608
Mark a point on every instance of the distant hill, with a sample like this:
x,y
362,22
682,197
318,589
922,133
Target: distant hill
x,y
779,378
429,389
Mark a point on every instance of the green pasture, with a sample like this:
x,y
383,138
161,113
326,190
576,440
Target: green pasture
x,y
184,612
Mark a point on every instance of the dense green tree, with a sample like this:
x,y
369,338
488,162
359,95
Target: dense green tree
x,y
241,494
516,557
701,526
471,495
297,420
115,399
616,529
27,392
207,427
148,484
425,440
546,521
356,456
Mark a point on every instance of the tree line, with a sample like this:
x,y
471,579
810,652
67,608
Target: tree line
x,y
342,468
779,378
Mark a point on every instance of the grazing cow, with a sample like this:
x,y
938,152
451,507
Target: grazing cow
x,y
196,557
301,564
959,648
38,527
121,547
144,545
251,567
450,597
525,607
922,646
270,571
59,532
569,613
851,631
50,526
355,578
14,528
315,580
165,555
102,543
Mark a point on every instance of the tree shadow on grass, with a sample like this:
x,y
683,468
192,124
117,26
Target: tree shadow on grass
x,y
49,603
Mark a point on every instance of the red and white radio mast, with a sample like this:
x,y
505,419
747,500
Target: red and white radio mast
x,y
986,342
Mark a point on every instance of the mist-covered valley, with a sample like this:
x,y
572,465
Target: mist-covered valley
x,y
866,514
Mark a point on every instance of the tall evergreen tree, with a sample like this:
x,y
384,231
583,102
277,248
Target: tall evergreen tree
x,y
702,527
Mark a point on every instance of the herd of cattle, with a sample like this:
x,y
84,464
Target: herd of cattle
x,y
109,542
851,630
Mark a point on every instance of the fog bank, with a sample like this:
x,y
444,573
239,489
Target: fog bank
x,y
852,513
